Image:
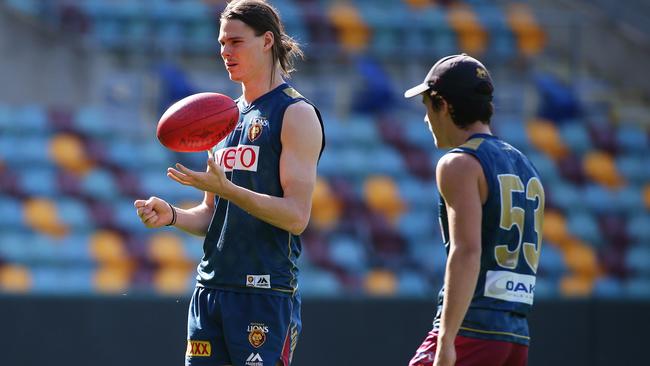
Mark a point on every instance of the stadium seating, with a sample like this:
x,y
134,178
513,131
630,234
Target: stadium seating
x,y
67,188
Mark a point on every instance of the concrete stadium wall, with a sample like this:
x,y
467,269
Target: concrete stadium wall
x,y
105,331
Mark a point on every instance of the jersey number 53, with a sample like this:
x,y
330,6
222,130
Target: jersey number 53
x,y
512,215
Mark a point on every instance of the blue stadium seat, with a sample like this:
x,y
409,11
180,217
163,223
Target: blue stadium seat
x,y
109,33
27,248
162,11
514,132
100,184
61,280
11,213
633,166
566,196
170,37
329,162
510,102
502,41
29,120
430,255
292,18
32,150
413,284
418,194
29,7
419,225
335,132
202,38
638,227
585,227
361,131
599,199
137,34
14,246
73,249
608,287
383,41
154,156
546,168
124,153
546,288
74,214
192,11
6,117
637,259
441,37
158,184
633,139
354,162
629,199
551,261
576,137
193,246
125,216
417,132
91,120
349,253
385,160
316,282
638,288
38,181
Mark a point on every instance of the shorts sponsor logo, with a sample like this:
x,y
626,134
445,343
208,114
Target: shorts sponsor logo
x,y
510,286
254,359
257,334
259,281
241,157
198,349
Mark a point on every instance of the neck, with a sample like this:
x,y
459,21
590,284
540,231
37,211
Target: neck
x,y
254,89
476,127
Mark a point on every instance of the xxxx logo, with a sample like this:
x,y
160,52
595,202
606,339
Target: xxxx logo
x,y
198,348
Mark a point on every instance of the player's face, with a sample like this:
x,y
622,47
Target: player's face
x,y
439,122
241,50
431,118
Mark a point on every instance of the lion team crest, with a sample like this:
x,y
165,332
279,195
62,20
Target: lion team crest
x,y
481,73
257,334
256,127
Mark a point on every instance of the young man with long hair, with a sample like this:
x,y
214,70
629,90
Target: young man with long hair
x,y
245,310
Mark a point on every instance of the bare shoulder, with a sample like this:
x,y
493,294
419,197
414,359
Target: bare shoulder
x,y
457,169
300,111
458,163
300,119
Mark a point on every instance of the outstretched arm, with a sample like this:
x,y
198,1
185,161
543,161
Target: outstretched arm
x,y
155,212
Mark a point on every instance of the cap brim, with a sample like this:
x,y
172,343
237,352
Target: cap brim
x,y
416,90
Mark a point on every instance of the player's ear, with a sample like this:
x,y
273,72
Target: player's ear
x,y
269,40
443,105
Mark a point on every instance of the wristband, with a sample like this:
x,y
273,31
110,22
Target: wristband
x,y
173,222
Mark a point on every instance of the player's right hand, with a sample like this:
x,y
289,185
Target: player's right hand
x,y
153,212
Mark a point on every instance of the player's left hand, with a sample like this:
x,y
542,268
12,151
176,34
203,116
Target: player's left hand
x,y
213,180
445,355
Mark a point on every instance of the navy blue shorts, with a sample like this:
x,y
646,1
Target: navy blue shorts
x,y
241,329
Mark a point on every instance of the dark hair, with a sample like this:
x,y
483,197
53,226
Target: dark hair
x,y
262,17
465,111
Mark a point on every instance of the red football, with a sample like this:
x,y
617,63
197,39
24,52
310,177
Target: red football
x,y
197,122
